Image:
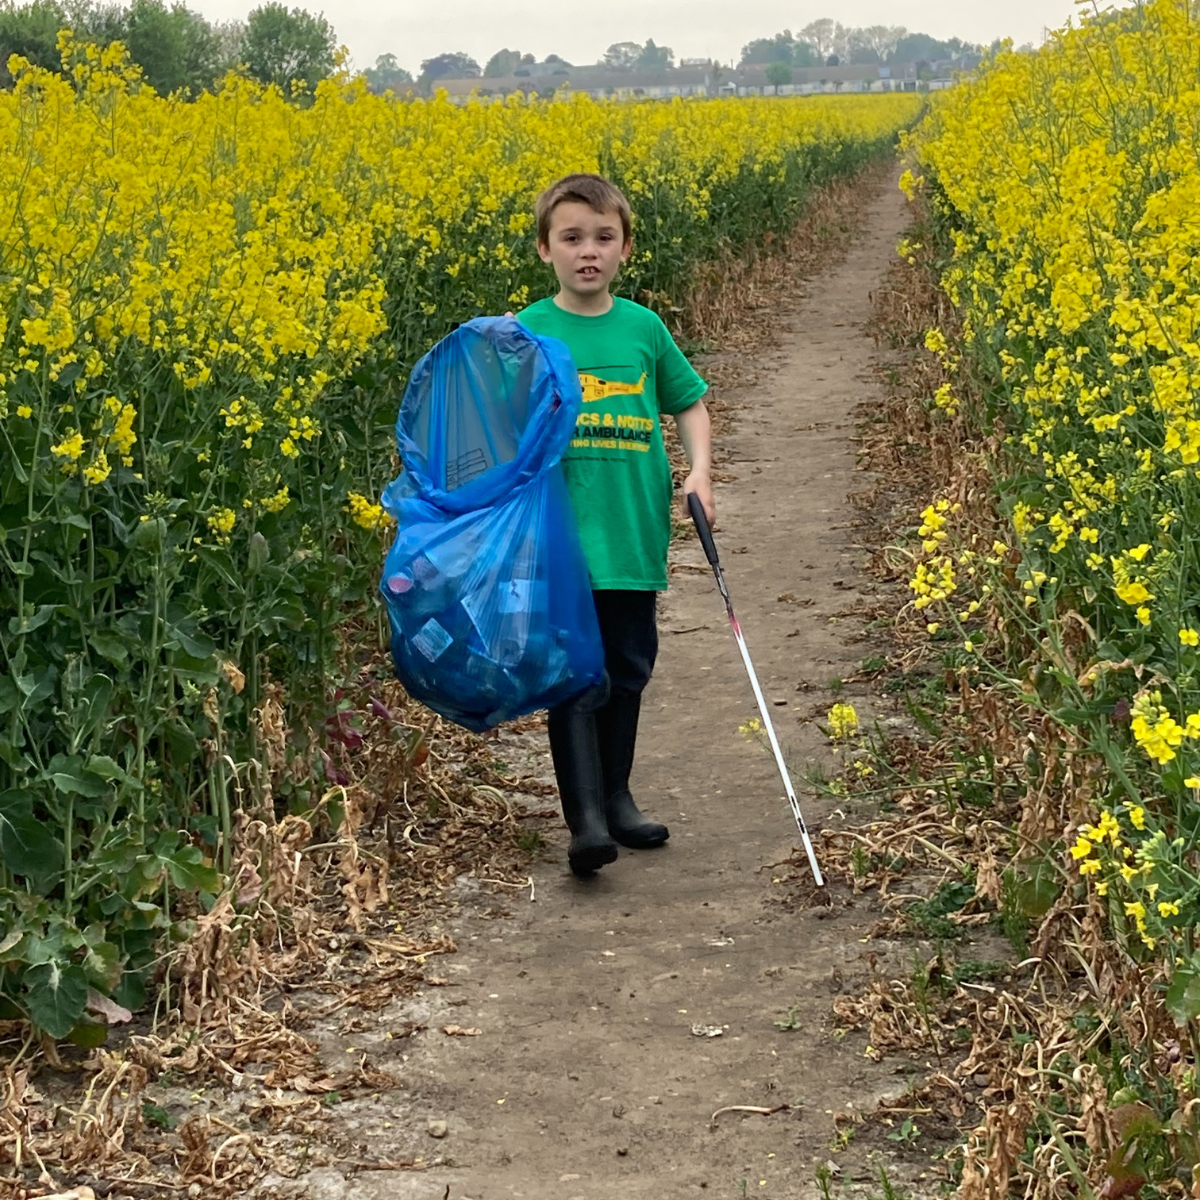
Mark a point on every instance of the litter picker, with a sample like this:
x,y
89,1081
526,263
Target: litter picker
x,y
710,549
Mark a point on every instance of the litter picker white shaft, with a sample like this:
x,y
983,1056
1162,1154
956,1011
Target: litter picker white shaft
x,y
710,551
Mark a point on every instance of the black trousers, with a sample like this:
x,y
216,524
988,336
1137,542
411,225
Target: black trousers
x,y
629,631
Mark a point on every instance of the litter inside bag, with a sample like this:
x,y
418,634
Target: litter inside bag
x,y
486,585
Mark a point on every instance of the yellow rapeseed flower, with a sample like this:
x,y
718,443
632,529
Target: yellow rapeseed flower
x,y
367,515
70,448
220,524
1134,592
751,730
843,721
277,502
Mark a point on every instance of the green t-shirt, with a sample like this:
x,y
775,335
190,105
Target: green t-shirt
x,y
616,467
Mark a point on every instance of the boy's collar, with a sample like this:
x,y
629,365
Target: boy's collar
x,y
612,303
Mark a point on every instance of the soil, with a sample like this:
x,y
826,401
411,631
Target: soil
x,y
614,1017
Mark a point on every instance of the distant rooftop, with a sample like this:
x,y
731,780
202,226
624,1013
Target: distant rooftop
x,y
694,76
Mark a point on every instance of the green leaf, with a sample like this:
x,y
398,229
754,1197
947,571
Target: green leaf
x,y
119,526
37,687
10,753
1088,714
91,712
106,768
103,966
260,553
28,846
149,534
88,1034
189,872
181,741
220,562
155,1114
55,995
144,916
71,777
9,696
131,991
194,644
45,686
59,943
1033,887
1183,994
109,646
32,621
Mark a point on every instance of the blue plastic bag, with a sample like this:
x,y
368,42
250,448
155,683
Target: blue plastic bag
x,y
486,585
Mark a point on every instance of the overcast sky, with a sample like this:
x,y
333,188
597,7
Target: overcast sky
x,y
580,31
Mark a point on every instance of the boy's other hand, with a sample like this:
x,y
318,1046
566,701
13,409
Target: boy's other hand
x,y
700,483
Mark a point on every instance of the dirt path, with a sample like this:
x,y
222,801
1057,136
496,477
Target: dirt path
x,y
586,1080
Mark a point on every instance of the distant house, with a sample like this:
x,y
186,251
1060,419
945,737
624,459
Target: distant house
x,y
806,81
600,82
656,85
707,79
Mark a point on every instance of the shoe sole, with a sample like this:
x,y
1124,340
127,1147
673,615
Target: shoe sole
x,y
589,861
631,843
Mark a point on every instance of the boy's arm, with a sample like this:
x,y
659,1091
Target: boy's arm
x,y
695,432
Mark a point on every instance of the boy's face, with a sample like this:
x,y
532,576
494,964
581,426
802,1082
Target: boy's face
x,y
586,248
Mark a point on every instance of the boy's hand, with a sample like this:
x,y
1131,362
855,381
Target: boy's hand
x,y
700,483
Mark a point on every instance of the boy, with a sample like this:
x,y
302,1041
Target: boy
x,y
620,486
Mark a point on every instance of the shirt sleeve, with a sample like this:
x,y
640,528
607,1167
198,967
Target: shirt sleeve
x,y
676,382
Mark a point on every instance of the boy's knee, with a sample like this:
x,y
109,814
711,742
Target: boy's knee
x,y
589,700
631,675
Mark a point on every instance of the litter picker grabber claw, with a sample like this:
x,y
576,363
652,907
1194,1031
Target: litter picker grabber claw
x,y
710,550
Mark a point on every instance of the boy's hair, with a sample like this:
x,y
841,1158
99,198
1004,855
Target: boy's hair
x,y
593,190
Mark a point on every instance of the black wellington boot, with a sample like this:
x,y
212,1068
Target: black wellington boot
x,y
576,753
617,724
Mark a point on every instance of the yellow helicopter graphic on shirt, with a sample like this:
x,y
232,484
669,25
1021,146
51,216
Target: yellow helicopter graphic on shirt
x,y
595,388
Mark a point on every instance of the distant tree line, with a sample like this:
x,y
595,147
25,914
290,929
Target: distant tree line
x,y
828,43
631,56
622,56
177,48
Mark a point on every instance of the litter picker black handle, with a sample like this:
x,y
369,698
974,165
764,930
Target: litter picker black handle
x,y
696,508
